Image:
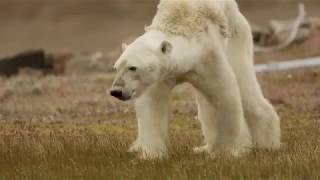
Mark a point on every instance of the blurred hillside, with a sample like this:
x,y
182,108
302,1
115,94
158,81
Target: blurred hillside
x,y
102,24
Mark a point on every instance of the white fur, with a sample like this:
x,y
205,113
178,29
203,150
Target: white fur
x,y
233,113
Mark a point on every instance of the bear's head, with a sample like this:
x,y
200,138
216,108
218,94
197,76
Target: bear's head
x,y
140,65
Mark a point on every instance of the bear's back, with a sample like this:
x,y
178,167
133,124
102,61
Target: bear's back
x,y
188,17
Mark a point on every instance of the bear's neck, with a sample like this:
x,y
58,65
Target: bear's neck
x,y
184,55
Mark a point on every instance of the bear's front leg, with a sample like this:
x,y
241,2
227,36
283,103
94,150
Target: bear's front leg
x,y
220,110
152,110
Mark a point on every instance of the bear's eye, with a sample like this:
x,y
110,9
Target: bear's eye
x,y
132,68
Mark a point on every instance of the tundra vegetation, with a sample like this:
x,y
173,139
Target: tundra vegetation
x,y
57,127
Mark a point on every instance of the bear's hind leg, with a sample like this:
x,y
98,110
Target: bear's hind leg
x,y
207,121
261,117
263,122
152,110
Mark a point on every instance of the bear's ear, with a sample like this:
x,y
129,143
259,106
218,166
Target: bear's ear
x,y
146,28
124,46
166,47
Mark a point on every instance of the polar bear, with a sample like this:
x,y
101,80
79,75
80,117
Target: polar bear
x,y
207,43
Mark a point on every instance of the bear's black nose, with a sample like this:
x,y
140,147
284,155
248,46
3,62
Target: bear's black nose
x,y
116,93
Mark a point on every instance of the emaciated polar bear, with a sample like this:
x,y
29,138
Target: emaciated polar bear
x,y
207,43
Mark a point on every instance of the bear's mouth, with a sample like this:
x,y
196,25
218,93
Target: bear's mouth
x,y
124,98
127,97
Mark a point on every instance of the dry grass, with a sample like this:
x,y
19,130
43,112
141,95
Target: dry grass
x,y
68,128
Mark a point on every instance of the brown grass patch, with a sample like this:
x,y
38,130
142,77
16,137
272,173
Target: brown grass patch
x,y
68,128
